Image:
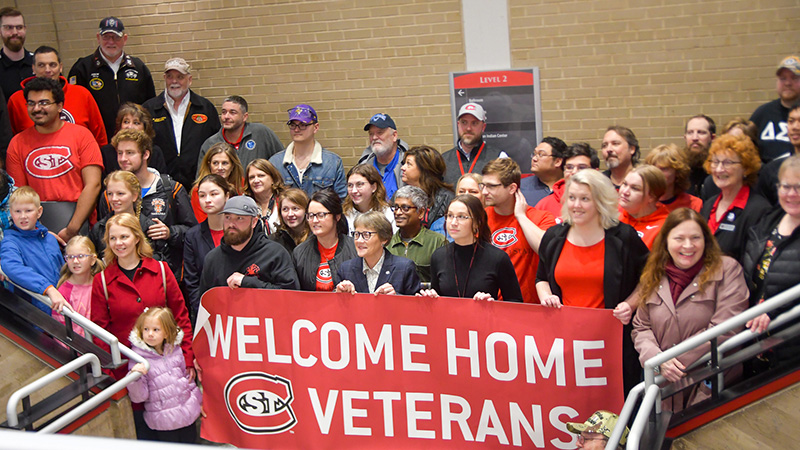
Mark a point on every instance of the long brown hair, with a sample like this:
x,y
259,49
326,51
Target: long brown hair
x,y
235,178
266,167
378,200
480,222
431,170
300,198
654,269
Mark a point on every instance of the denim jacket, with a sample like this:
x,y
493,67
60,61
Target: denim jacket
x,y
325,170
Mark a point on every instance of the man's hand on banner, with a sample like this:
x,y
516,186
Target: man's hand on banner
x,y
235,280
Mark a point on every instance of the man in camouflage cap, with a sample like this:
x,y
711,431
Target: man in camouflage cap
x,y
595,432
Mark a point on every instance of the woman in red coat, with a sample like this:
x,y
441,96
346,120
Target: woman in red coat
x,y
131,282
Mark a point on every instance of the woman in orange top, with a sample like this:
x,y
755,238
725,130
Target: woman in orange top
x,y
591,259
638,202
222,160
674,164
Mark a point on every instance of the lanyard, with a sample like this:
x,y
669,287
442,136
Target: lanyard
x,y
474,161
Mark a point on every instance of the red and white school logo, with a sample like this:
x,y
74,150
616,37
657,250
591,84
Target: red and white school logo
x,y
504,237
324,274
49,162
260,403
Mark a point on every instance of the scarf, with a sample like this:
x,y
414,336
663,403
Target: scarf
x,y
680,278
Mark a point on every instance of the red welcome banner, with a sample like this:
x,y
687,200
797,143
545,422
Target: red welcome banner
x,y
296,370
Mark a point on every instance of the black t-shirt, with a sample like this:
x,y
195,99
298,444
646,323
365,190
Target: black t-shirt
x,y
130,272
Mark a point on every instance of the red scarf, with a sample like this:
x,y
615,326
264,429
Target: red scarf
x,y
680,278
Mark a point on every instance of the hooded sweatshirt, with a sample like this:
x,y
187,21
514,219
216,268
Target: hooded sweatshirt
x,y
648,226
31,259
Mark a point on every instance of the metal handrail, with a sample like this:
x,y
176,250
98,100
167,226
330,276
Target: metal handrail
x,y
653,381
28,389
82,321
117,349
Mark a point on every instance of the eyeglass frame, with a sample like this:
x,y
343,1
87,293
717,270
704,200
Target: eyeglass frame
x,y
405,208
366,235
319,216
80,257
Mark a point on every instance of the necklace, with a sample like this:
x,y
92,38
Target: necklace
x,y
459,292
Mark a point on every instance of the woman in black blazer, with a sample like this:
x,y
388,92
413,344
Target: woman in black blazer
x,y
389,274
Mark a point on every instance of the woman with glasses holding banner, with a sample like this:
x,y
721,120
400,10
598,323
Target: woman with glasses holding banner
x,y
376,271
470,266
733,162
591,260
317,260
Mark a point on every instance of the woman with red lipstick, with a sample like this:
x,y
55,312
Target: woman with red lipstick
x,y
687,286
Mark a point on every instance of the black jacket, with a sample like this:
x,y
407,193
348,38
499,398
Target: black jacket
x,y
784,269
283,237
200,123
400,272
196,245
265,265
732,231
132,83
451,157
306,260
624,259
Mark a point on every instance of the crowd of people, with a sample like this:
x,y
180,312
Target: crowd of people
x,y
168,199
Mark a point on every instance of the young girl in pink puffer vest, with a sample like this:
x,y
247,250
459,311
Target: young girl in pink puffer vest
x,y
171,401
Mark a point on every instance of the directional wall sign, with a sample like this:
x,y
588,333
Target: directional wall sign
x,y
513,107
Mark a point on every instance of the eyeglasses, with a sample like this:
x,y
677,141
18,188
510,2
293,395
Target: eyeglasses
x,y
13,27
726,163
363,235
298,126
460,218
571,167
582,439
489,185
540,154
42,103
404,208
81,257
785,188
318,216
357,185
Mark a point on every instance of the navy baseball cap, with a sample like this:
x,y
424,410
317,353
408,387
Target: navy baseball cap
x,y
112,25
380,120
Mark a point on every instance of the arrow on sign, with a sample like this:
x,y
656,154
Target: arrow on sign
x,y
460,92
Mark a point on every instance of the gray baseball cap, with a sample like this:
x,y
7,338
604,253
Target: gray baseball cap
x,y
241,205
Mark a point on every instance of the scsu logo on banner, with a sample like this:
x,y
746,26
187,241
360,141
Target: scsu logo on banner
x,y
49,162
260,403
504,237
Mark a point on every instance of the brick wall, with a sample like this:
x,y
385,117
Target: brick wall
x,y
647,67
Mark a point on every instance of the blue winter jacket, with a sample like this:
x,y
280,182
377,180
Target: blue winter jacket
x,y
31,259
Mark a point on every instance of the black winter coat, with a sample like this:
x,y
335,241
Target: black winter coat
x,y
306,260
732,231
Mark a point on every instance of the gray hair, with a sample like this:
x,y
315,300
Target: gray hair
x,y
604,195
417,196
377,222
238,100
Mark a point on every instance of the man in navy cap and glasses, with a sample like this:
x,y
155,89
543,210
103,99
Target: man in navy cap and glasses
x,y
384,151
112,76
305,164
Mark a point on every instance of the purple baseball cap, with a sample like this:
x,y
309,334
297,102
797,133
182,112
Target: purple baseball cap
x,y
303,114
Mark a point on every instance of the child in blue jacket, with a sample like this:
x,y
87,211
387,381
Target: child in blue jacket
x,y
29,255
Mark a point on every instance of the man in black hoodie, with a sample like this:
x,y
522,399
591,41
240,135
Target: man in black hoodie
x,y
244,258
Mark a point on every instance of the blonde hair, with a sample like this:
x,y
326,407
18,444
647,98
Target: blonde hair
x,y
97,267
165,318
604,195
131,183
25,194
130,222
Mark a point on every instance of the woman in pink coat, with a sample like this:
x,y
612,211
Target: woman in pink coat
x,y
687,286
